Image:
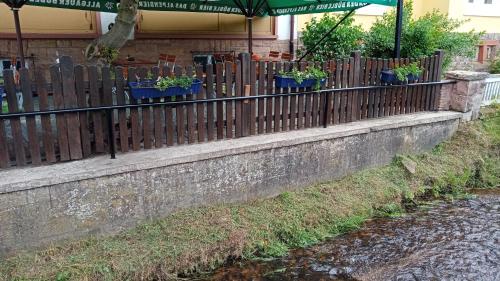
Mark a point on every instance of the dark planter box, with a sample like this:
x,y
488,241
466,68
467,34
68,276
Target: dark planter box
x,y
388,77
146,90
288,82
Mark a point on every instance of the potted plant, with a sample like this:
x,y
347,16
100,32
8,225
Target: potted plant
x,y
311,77
401,75
165,87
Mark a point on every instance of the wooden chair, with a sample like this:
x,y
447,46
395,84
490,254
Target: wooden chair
x,y
219,58
229,57
168,60
286,57
171,60
274,55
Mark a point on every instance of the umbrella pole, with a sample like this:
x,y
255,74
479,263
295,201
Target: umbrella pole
x,y
399,28
20,49
250,35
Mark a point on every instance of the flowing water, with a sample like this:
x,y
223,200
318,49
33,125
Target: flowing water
x,y
443,241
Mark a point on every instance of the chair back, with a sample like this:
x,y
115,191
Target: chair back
x,y
286,56
274,55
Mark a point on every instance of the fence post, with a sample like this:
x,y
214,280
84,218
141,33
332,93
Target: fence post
x,y
245,81
467,94
111,133
356,68
70,100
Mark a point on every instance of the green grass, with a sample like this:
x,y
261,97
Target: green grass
x,y
199,240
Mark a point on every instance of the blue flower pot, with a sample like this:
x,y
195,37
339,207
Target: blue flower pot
x,y
146,90
388,77
288,82
412,78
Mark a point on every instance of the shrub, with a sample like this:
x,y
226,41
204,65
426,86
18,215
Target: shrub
x,y
495,66
339,44
402,72
420,37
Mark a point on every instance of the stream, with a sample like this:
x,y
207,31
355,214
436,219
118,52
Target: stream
x,y
457,240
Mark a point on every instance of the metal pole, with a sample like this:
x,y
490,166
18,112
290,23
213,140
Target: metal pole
x,y
20,49
111,133
399,29
325,110
326,35
250,35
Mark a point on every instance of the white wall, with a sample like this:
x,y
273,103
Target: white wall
x,y
283,24
372,10
482,8
108,18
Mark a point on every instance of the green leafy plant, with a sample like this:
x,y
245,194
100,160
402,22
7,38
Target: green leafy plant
x,y
163,83
402,72
495,66
107,54
310,73
339,44
421,36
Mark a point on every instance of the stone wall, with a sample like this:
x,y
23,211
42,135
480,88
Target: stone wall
x,y
100,196
466,94
44,52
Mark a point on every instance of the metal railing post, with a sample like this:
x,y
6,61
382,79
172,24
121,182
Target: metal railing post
x,y
325,110
111,133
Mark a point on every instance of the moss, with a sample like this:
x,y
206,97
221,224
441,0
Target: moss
x,y
199,240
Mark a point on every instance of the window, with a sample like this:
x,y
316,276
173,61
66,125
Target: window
x,y
488,8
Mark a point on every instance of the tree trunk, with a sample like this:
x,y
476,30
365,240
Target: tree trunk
x,y
117,36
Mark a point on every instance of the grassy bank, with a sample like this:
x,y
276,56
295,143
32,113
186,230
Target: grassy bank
x,y
201,239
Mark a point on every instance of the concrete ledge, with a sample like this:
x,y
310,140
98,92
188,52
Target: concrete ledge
x,y
100,196
35,177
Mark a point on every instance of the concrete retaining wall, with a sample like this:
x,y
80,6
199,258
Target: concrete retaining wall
x,y
99,196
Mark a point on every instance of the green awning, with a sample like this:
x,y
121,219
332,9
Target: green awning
x,y
260,7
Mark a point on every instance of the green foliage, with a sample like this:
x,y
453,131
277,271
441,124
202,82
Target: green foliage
x,y
495,65
63,276
421,36
390,210
310,73
402,72
107,54
166,82
339,44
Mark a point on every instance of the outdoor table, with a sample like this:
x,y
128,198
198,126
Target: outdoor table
x,y
134,63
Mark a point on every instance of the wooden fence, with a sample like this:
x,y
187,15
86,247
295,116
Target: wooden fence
x,y
237,100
